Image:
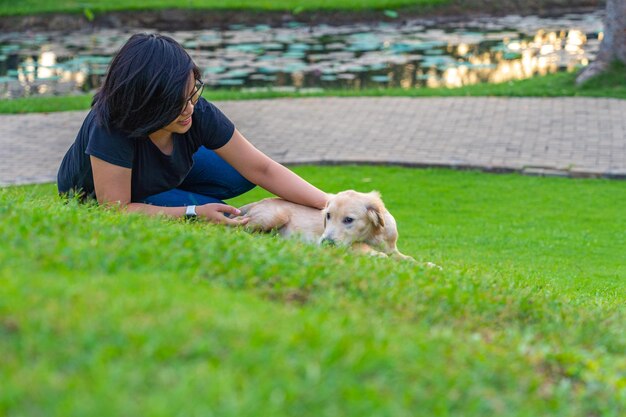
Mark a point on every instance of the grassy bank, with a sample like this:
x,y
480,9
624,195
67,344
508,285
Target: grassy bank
x,y
103,313
73,6
611,84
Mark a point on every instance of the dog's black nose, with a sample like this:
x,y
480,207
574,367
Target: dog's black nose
x,y
327,241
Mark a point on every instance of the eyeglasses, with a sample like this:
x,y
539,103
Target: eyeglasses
x,y
195,96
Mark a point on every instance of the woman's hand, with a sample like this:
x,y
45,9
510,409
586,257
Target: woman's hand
x,y
214,213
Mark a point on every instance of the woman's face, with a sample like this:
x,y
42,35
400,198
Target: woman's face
x,y
183,122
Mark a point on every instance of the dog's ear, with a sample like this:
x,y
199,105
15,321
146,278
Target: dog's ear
x,y
325,209
375,195
375,216
375,209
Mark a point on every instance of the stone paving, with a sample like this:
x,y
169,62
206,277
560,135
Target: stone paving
x,y
578,137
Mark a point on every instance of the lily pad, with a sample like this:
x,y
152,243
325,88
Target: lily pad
x,y
299,47
511,56
269,70
295,55
434,52
214,70
377,67
8,49
272,46
262,77
238,73
380,78
246,47
294,68
230,82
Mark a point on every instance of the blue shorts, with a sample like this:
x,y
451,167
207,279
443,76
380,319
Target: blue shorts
x,y
210,180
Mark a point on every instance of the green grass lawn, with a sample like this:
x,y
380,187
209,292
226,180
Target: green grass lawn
x,y
104,313
612,84
73,6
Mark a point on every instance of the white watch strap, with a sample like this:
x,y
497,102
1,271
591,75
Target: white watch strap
x,y
190,211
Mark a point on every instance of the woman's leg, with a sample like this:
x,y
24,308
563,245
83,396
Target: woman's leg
x,y
178,197
210,180
211,176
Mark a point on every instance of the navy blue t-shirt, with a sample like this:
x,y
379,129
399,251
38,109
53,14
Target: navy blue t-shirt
x,y
152,171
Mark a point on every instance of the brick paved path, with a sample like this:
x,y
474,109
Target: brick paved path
x,y
556,136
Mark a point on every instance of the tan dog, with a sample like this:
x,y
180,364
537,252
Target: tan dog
x,y
357,220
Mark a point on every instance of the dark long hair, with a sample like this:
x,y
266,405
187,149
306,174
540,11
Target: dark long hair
x,y
145,85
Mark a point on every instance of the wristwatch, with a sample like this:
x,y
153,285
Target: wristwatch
x,y
190,212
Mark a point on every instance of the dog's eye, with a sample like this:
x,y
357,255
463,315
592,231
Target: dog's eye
x,y
348,220
327,216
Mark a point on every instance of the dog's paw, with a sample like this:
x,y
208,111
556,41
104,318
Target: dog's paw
x,y
433,265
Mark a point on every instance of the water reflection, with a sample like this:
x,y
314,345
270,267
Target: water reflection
x,y
515,59
408,55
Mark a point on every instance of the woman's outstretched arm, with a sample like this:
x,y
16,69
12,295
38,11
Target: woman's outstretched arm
x,y
260,169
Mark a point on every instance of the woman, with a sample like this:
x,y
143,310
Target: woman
x,y
152,144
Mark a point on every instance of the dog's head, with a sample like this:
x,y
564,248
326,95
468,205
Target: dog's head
x,y
351,217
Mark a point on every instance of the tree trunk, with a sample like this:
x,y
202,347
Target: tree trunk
x,y
613,46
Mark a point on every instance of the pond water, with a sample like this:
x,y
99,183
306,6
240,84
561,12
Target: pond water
x,y
296,56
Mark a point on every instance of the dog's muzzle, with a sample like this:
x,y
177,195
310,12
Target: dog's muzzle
x,y
327,241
